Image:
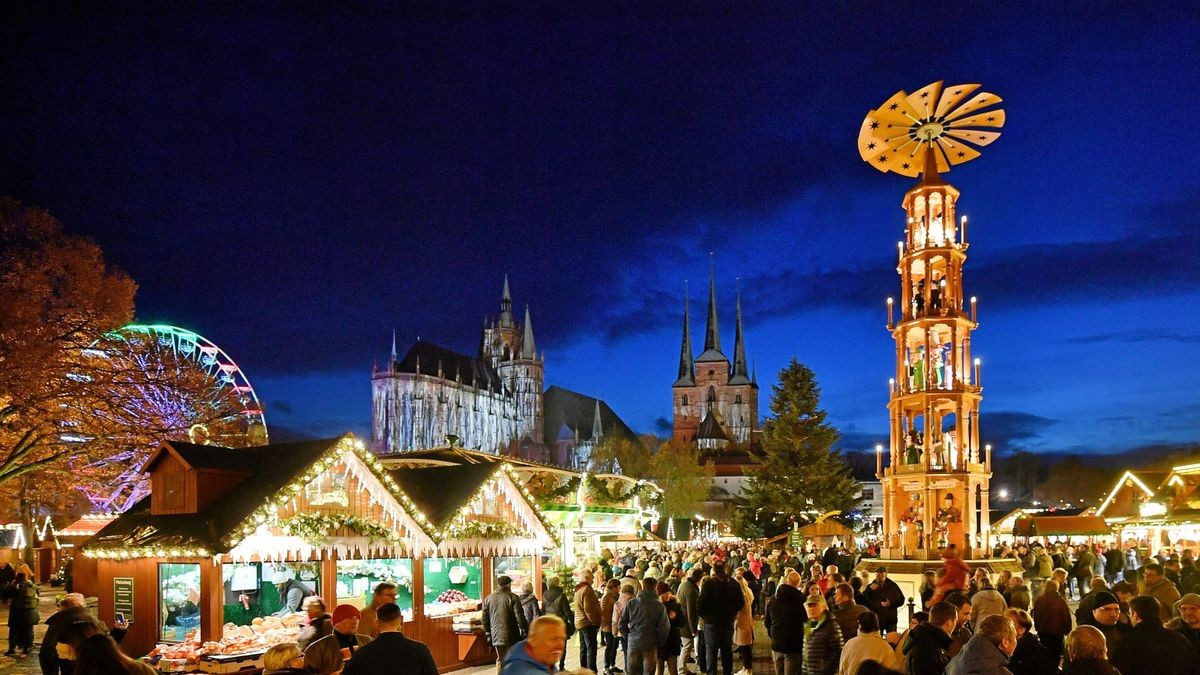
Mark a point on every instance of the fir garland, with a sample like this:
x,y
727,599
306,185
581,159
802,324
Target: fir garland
x,y
315,527
545,493
600,492
479,529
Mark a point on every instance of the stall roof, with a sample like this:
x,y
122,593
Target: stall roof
x,y
440,491
269,469
1042,526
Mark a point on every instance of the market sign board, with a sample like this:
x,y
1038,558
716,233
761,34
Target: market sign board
x,y
123,597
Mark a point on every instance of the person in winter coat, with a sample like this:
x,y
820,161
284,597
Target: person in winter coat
x,y
785,626
504,623
1106,618
986,602
1157,586
988,650
867,645
529,603
1030,657
612,591
1084,569
555,603
645,626
22,615
924,648
318,623
537,654
1018,594
1088,653
688,596
1114,564
743,627
668,654
954,574
70,611
845,610
628,591
1149,648
1051,618
885,598
822,639
587,620
719,602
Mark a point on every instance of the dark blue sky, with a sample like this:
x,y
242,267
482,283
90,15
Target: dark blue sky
x,y
292,184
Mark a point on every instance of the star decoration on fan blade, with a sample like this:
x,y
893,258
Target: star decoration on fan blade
x,y
947,121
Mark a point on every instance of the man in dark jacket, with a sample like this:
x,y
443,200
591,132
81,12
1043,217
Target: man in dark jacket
x,y
1189,619
1030,656
391,652
885,598
645,626
925,647
822,639
988,650
845,610
1106,618
719,602
688,596
785,626
504,622
1149,648
1114,564
70,610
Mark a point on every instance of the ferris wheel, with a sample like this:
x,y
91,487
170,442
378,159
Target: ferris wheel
x,y
165,383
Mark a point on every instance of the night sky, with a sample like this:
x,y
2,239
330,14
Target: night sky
x,y
295,184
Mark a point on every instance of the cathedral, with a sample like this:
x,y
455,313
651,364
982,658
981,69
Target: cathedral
x,y
494,401
716,401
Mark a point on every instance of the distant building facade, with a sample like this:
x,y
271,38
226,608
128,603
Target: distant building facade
x,y
495,401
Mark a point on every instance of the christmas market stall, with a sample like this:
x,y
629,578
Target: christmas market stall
x,y
213,566
1156,510
484,524
580,507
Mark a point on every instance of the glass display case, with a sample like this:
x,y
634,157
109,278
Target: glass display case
x,y
452,586
356,581
178,600
254,590
517,568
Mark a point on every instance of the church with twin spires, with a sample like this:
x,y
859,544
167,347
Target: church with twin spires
x,y
716,400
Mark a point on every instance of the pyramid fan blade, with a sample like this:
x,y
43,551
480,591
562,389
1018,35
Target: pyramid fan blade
x,y
974,136
924,100
991,118
952,96
896,110
977,102
956,152
910,163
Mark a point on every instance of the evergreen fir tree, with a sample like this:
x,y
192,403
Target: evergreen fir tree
x,y
800,475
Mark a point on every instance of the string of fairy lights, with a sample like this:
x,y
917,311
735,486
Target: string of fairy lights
x,y
415,531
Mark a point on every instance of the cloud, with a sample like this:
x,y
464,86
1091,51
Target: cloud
x,y
282,406
663,426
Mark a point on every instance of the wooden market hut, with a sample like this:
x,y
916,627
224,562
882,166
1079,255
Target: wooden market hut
x,y
483,524
162,563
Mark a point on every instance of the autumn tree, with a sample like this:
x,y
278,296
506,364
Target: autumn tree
x,y
799,476
621,454
683,475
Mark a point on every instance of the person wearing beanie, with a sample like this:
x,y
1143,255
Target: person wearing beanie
x,y
1189,619
1106,617
1150,648
504,623
345,639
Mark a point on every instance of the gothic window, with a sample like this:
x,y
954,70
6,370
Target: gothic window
x,y
685,399
712,395
737,399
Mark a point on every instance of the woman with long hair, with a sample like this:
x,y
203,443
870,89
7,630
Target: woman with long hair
x,y
743,627
100,655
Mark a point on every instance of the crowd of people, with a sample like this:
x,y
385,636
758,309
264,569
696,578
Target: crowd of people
x,y
694,609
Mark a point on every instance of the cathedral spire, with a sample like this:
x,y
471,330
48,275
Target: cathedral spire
x,y
597,426
506,317
528,349
712,335
393,345
740,374
687,368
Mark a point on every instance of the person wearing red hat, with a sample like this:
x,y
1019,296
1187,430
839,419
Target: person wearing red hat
x,y
345,637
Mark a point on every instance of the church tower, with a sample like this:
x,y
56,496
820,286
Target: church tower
x,y
710,392
513,354
936,483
